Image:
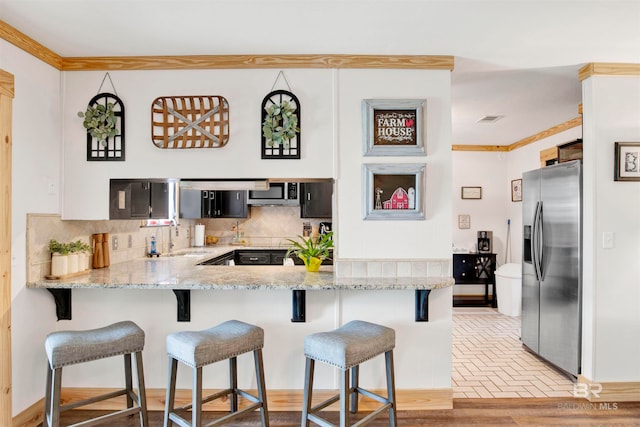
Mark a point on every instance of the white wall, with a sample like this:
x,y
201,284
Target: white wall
x,y
611,349
36,164
430,238
86,184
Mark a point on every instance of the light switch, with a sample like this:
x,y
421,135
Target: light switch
x,y
608,240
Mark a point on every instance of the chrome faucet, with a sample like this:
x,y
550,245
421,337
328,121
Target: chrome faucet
x,y
172,224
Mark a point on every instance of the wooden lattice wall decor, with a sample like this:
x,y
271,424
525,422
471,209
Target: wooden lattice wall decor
x,y
190,122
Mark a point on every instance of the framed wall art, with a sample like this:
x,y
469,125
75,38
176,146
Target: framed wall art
x,y
627,161
516,190
471,192
393,127
393,191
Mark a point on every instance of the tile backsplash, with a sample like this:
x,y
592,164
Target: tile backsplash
x,y
267,226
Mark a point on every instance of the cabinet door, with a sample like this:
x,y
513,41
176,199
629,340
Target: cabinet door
x,y
253,258
315,200
232,204
464,268
140,199
190,204
119,199
159,200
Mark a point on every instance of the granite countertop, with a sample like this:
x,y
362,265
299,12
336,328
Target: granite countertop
x,y
181,272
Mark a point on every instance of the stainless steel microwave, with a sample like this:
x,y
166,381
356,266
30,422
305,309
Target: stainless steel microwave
x,y
279,193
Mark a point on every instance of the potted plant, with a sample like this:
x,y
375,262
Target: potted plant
x,y
312,251
59,258
80,251
100,121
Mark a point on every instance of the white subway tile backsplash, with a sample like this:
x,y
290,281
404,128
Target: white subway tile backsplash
x,y
374,269
404,269
342,268
389,269
359,269
419,269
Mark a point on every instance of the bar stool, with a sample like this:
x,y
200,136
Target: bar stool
x,y
346,348
199,348
71,347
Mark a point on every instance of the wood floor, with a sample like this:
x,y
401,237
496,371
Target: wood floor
x,y
465,412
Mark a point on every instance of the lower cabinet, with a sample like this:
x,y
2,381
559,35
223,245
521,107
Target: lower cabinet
x,y
476,268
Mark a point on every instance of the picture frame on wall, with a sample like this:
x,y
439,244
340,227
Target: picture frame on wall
x,y
627,161
393,127
516,190
471,192
393,191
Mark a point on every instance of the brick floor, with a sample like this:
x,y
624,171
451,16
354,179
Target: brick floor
x,y
489,360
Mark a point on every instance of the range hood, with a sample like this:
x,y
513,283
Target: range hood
x,y
224,184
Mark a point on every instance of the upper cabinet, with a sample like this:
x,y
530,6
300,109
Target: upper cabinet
x,y
315,199
196,204
142,199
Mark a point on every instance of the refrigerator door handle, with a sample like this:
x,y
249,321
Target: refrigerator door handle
x,y
540,230
536,241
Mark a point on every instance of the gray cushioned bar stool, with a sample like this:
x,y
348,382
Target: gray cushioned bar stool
x,y
71,347
346,348
199,348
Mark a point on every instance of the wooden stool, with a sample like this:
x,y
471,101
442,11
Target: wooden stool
x,y
199,348
346,348
71,347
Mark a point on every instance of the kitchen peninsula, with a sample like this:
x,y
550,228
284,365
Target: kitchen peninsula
x,y
273,294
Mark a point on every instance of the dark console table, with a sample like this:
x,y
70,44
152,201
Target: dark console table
x,y
476,268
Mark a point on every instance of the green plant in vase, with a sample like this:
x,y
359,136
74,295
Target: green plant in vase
x,y
312,251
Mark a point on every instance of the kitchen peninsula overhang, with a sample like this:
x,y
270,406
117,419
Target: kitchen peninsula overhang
x,y
180,274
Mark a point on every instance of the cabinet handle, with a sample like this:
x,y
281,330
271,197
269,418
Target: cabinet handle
x,y
464,274
309,196
237,196
464,261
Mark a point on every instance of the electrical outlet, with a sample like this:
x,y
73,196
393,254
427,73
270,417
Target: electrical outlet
x,y
130,242
114,243
608,240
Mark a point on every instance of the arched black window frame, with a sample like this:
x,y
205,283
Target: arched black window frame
x,y
280,152
114,151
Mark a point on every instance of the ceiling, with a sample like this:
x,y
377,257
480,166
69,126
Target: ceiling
x,y
513,58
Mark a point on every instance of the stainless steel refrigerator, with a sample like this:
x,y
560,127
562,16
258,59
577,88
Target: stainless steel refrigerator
x,y
552,264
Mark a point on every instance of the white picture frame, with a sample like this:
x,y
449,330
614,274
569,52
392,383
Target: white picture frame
x,y
393,127
393,191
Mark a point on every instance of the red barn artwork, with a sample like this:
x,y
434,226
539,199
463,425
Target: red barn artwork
x,y
399,200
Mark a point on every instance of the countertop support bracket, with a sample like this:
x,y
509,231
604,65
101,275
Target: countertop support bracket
x,y
298,305
422,305
183,297
62,298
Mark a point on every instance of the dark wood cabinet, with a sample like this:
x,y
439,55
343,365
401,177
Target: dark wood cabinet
x,y
476,268
315,199
196,204
140,198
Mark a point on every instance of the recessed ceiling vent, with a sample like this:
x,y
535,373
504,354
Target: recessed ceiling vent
x,y
489,119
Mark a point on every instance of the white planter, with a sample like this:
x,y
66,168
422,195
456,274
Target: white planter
x,y
73,266
59,264
87,262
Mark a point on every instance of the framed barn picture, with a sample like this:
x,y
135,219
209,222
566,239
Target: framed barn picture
x,y
393,127
393,191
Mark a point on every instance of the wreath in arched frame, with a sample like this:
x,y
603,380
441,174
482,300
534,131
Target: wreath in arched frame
x,y
280,125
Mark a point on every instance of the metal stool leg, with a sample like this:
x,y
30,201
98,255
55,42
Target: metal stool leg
x,y
142,394
55,396
171,392
355,374
308,391
233,384
344,398
391,387
196,408
47,399
262,391
128,379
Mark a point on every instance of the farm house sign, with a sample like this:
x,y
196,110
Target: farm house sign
x,y
393,127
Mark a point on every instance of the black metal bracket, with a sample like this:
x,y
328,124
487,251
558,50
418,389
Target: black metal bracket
x,y
183,297
298,305
62,298
422,305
